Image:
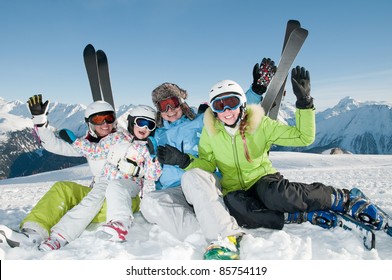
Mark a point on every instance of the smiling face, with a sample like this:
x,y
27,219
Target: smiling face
x,y
171,115
104,129
141,132
229,117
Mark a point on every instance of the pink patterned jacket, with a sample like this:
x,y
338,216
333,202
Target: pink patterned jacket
x,y
137,151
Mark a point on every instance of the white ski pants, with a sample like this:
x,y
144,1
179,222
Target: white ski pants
x,y
197,204
118,194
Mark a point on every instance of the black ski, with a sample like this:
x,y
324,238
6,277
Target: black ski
x,y
362,231
97,68
293,46
90,61
273,113
104,77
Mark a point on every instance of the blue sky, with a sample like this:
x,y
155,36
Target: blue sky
x,y
193,43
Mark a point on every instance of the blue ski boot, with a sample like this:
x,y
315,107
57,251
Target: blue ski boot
x,y
340,200
364,211
324,219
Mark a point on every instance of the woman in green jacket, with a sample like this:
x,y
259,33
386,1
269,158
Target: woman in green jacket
x,y
236,139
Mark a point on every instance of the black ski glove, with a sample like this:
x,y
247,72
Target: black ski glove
x,y
36,106
170,155
38,110
262,75
300,80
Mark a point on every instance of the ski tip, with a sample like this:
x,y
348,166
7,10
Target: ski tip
x,y
294,21
305,31
89,48
101,53
299,31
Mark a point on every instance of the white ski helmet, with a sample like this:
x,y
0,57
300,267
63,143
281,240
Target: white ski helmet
x,y
227,86
97,107
143,111
94,108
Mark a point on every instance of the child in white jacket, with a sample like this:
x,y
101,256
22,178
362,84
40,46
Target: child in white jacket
x,y
129,170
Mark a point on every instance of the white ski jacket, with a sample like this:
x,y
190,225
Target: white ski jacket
x,y
52,143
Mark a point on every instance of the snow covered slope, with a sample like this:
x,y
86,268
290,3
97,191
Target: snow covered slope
x,y
372,173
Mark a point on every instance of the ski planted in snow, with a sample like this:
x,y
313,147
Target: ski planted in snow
x,y
97,69
387,228
273,113
292,48
360,230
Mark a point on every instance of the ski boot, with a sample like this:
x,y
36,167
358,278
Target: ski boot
x,y
367,212
112,231
54,242
324,219
24,238
357,206
223,249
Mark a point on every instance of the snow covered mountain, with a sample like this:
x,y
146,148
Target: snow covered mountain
x,y
356,127
360,128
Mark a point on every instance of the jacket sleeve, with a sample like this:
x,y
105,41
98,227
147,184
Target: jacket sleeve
x,y
152,167
252,97
302,134
54,144
206,158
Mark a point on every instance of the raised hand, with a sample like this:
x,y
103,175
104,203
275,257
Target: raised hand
x,y
262,75
38,110
300,80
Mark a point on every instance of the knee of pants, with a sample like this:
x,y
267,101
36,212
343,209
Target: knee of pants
x,y
72,192
154,203
147,206
251,213
124,187
188,177
197,182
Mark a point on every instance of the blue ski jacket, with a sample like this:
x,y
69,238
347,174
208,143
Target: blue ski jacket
x,y
184,134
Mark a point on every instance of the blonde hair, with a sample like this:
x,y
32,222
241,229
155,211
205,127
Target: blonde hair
x,y
242,130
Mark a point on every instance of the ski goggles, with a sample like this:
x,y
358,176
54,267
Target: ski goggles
x,y
142,122
220,104
172,102
99,119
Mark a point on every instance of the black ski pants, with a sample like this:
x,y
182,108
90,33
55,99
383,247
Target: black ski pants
x,y
265,202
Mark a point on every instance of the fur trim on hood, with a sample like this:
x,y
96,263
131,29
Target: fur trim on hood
x,y
167,90
255,114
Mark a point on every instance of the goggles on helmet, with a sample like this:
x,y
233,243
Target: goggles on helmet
x,y
172,102
142,122
220,104
99,119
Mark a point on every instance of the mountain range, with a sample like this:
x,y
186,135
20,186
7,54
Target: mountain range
x,y
353,127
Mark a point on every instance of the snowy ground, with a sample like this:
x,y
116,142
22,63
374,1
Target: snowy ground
x,y
261,248
373,174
